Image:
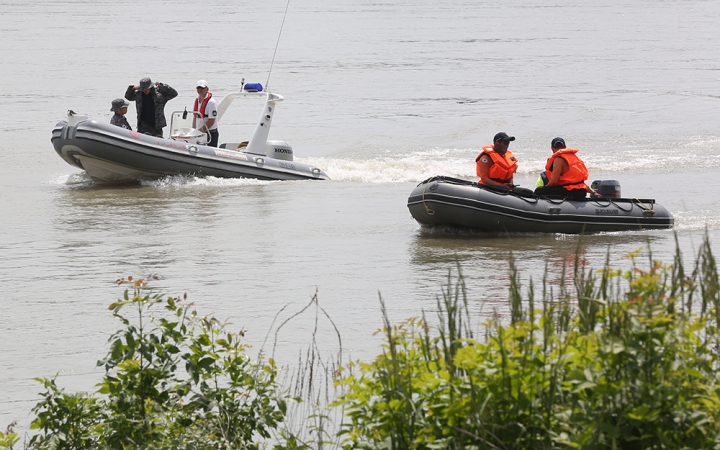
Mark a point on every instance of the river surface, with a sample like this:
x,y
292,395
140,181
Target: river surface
x,y
381,95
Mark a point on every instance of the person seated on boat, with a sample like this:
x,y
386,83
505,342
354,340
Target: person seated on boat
x,y
119,106
150,102
496,165
205,117
564,174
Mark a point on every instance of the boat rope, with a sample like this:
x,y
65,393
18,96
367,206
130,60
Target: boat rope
x,y
267,83
494,190
428,211
554,201
533,200
529,198
643,207
620,207
597,202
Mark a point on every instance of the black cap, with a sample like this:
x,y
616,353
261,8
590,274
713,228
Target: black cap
x,y
145,84
503,137
558,142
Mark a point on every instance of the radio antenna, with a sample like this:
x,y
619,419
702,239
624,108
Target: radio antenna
x,y
267,84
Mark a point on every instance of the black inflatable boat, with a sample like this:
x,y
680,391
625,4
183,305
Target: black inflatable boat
x,y
450,201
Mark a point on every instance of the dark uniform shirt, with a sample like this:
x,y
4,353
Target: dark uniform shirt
x,y
161,94
120,121
147,114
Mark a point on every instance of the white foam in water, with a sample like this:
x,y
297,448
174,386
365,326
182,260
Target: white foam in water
x,y
72,179
696,220
82,179
460,163
191,181
412,167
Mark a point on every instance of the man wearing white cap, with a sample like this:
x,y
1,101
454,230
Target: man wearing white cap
x,y
205,113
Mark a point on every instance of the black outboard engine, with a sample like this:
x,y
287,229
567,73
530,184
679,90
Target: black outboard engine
x,y
607,188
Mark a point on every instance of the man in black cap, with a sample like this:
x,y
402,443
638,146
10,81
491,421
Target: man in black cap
x,y
150,102
564,174
496,164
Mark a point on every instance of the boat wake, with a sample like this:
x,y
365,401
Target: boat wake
x,y
176,181
399,168
696,220
76,179
83,180
389,166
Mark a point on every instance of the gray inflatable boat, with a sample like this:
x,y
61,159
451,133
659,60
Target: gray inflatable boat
x,y
451,201
112,154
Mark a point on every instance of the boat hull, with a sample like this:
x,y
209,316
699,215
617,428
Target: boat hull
x,y
113,154
450,201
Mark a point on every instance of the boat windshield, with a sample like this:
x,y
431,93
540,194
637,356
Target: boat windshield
x,y
184,127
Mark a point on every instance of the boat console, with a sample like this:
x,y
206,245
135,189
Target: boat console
x,y
184,127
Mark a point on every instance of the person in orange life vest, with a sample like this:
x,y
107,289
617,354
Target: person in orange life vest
x,y
205,113
496,165
565,173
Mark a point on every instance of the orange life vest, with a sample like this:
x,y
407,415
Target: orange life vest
x,y
577,173
503,168
203,105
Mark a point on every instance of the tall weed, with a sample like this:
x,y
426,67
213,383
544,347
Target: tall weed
x,y
621,361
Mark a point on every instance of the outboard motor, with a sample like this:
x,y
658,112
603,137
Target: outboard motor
x,y
607,188
279,150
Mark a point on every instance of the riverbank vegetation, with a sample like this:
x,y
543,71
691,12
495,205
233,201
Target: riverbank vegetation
x,y
173,380
602,358
624,360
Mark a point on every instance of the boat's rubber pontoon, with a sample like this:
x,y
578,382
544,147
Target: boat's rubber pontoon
x,y
112,154
451,201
